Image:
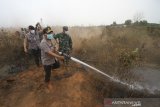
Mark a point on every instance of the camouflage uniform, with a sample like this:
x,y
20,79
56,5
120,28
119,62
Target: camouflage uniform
x,y
65,42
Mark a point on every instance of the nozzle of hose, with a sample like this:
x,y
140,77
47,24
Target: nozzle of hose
x,y
66,56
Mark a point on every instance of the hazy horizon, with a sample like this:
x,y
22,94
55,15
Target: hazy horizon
x,y
16,13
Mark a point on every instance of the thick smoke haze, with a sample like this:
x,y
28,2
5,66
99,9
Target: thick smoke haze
x,y
75,12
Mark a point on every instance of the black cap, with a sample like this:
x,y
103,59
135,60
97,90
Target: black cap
x,y
31,27
65,28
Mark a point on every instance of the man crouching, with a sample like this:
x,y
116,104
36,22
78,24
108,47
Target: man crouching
x,y
48,54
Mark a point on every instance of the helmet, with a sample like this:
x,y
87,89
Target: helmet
x,y
65,28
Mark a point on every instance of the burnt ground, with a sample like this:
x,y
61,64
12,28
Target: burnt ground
x,y
72,86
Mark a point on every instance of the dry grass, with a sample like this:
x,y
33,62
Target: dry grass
x,y
12,53
117,50
108,48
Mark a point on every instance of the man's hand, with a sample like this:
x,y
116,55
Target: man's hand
x,y
61,58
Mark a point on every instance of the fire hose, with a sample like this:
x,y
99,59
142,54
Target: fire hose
x,y
133,86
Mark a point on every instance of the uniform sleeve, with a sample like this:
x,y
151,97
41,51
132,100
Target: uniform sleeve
x,y
56,36
44,47
70,42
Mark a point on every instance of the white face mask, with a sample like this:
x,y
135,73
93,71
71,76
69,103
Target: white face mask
x,y
67,32
32,31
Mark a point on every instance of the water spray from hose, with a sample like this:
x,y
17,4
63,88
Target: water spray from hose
x,y
106,75
134,86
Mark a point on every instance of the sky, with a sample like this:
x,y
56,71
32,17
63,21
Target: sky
x,y
15,13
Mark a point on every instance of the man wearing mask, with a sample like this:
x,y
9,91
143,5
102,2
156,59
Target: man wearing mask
x,y
48,55
64,41
31,44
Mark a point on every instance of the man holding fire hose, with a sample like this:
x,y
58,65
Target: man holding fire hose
x,y
49,55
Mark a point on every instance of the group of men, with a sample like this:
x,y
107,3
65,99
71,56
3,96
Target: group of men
x,y
45,46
